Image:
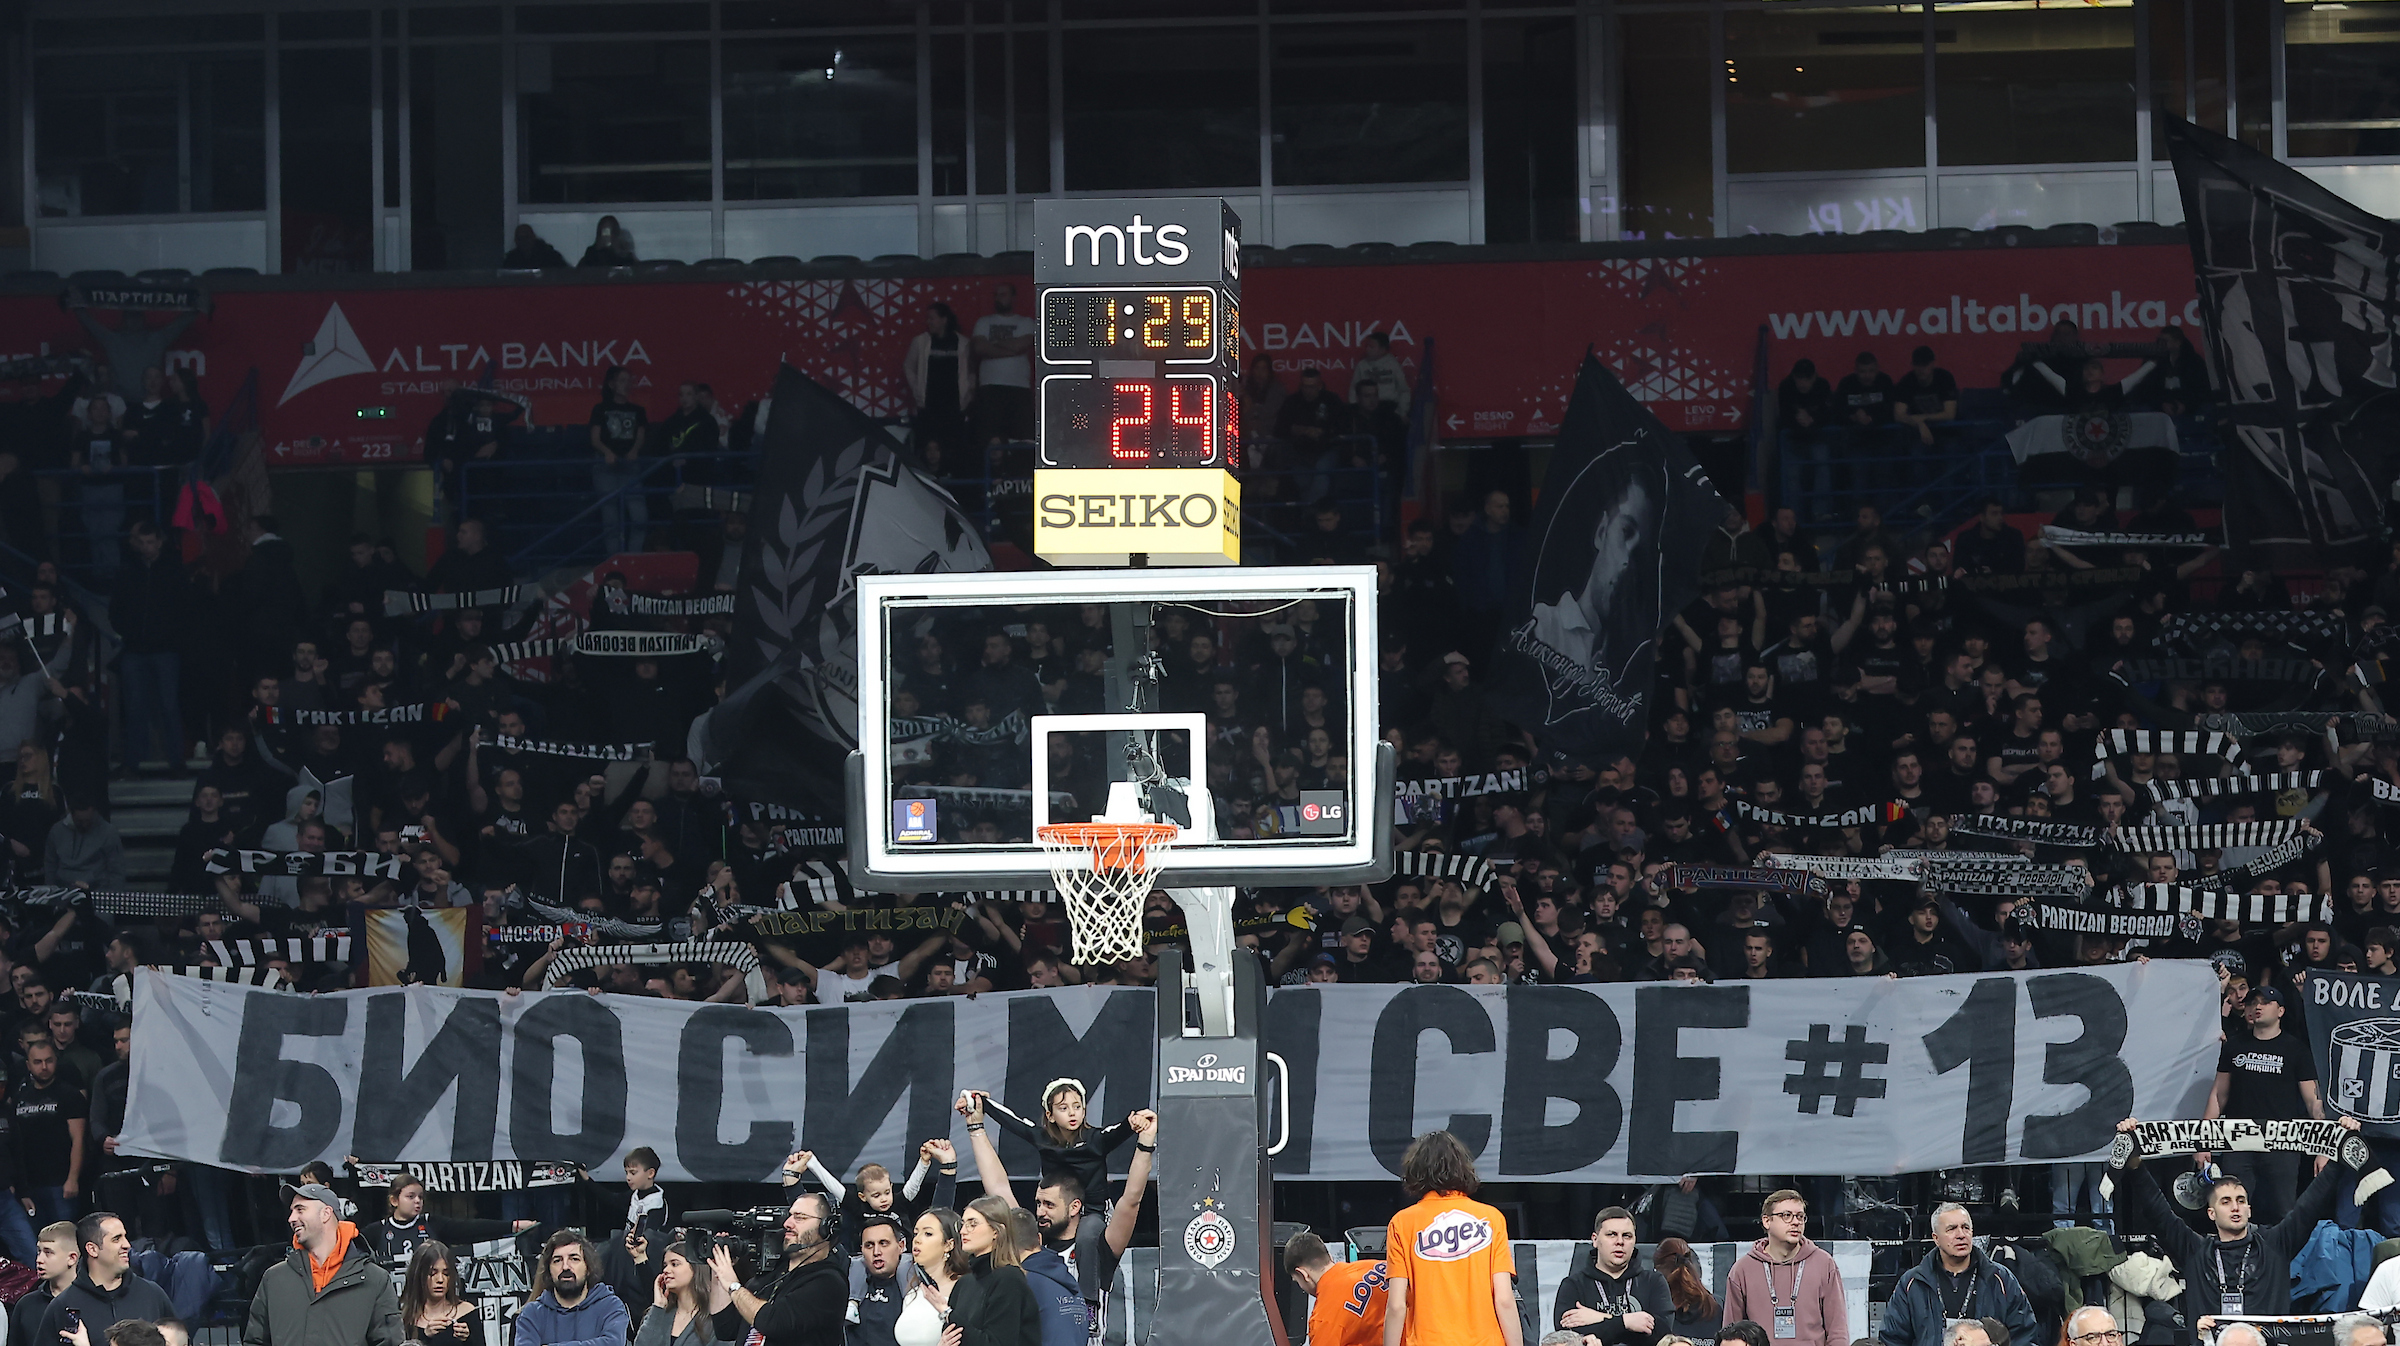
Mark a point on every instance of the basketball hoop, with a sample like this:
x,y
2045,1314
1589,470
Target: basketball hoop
x,y
1105,873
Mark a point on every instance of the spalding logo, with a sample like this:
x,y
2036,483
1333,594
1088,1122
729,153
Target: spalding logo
x,y
1205,1070
1453,1235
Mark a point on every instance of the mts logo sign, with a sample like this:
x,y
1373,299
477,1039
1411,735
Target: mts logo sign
x,y
1145,240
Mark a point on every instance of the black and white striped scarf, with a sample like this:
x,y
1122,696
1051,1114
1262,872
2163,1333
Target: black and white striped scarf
x,y
598,752
2203,836
2282,624
2024,829
518,651
46,624
609,926
2075,537
1865,815
2006,880
119,902
1798,882
731,952
1472,870
400,602
2218,787
2118,742
2266,862
303,949
2216,904
271,978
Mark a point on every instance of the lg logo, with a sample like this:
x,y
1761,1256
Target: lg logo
x,y
1172,250
1313,812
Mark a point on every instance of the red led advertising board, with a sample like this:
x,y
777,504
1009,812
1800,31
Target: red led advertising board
x,y
1681,331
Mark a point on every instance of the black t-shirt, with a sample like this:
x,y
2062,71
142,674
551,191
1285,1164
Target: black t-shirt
x,y
2266,1076
1924,399
620,424
1873,397
44,1148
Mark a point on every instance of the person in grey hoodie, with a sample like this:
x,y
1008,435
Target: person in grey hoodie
x,y
1608,1297
571,1305
84,847
1787,1284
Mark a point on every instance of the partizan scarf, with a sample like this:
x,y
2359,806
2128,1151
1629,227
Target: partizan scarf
x,y
2363,726
2301,671
640,644
1471,870
598,752
437,710
2202,836
2007,880
2266,862
2217,787
304,949
1899,868
400,602
2325,1140
487,1175
1865,815
1798,882
2024,829
2086,918
2073,537
646,606
2217,905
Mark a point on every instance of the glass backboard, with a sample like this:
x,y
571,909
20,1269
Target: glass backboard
x,y
1238,704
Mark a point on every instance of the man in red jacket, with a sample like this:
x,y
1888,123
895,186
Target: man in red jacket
x,y
1787,1284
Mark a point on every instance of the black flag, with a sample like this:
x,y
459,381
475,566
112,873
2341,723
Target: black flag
x,y
1624,514
836,497
2296,292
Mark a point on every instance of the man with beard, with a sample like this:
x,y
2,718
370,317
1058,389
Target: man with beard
x,y
1093,1253
571,1306
1609,1298
328,1291
807,1305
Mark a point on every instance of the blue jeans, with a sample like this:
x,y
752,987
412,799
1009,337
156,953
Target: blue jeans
x,y
17,1237
623,518
151,703
103,519
188,1279
1808,470
50,1204
2068,1185
211,1192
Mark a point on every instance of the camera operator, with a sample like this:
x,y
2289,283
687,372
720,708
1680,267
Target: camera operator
x,y
809,1303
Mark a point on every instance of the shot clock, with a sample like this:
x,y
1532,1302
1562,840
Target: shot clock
x,y
1139,351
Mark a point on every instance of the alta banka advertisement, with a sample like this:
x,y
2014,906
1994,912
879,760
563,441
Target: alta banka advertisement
x,y
1682,332
1598,1083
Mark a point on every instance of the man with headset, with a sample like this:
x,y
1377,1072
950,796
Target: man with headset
x,y
809,1304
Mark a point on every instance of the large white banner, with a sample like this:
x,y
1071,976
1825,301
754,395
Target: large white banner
x,y
1552,1083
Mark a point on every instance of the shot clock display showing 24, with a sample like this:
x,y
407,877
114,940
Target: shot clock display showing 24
x,y
1139,377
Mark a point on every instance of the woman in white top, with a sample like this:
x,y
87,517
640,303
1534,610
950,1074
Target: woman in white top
x,y
940,1262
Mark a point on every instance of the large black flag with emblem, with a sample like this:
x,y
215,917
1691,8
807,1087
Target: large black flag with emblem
x,y
2297,293
1625,511
836,497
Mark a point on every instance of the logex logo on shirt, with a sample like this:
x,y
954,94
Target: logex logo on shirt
x,y
1453,1236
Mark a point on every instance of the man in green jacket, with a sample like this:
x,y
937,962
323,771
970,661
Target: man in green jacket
x,y
329,1290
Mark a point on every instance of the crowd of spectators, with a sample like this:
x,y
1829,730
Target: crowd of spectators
x,y
1819,670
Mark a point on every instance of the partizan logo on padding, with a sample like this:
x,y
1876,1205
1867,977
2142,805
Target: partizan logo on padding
x,y
1453,1235
335,353
1208,1239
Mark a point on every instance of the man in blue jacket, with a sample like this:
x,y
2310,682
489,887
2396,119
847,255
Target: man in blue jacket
x,y
570,1306
1955,1282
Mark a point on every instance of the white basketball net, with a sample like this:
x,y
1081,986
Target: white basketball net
x,y
1104,874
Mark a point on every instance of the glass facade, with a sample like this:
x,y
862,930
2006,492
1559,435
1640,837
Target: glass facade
x,y
418,135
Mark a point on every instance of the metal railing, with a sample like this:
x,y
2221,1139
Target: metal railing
x,y
94,509
542,512
1934,487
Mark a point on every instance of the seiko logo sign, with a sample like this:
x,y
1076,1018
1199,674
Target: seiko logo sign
x,y
1198,510
1205,1070
1131,243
